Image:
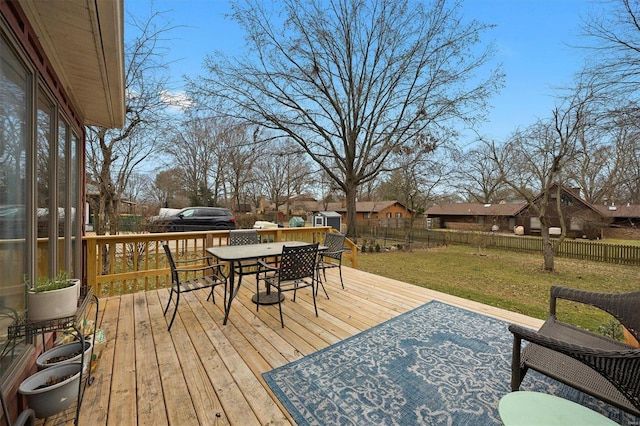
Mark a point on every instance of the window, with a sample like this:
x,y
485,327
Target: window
x,y
535,223
46,214
576,224
398,215
40,174
15,89
566,200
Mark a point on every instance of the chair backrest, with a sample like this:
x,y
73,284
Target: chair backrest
x,y
334,243
298,262
623,306
172,264
243,237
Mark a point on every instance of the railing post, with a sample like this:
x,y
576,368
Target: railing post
x,y
91,264
123,274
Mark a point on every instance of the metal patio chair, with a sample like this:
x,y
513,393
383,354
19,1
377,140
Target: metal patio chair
x,y
296,269
331,257
195,278
243,237
594,364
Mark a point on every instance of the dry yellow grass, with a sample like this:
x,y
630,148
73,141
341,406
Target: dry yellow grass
x,y
508,280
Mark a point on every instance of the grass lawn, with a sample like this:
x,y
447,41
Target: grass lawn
x,y
508,280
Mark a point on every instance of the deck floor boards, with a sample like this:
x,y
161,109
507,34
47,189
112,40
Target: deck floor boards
x,y
205,373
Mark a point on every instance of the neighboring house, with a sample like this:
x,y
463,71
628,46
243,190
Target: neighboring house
x,y
392,209
306,206
624,220
474,216
61,69
583,220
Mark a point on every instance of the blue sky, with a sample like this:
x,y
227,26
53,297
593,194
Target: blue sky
x,y
533,38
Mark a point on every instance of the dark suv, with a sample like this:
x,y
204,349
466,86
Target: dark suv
x,y
195,219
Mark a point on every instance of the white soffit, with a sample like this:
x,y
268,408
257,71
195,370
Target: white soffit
x,y
84,41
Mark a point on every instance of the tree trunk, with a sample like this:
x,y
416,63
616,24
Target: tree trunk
x,y
547,249
351,212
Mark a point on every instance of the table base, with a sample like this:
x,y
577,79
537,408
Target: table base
x,y
267,298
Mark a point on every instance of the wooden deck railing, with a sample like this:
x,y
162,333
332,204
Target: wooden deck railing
x,y
120,264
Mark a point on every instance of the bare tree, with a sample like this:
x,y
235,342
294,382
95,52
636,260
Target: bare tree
x,y
541,156
112,154
167,189
478,177
613,36
283,173
192,149
414,184
355,83
601,167
615,33
238,142
626,145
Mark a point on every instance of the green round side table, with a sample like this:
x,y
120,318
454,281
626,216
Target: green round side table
x,y
524,408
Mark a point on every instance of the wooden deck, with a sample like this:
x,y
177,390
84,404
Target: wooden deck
x,y
204,373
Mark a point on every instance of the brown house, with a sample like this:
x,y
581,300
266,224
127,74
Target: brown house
x,y
582,218
474,216
384,210
392,209
624,220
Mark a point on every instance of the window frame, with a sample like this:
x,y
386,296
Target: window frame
x,y
40,84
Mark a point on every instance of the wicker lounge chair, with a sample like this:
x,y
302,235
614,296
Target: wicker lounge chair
x,y
597,365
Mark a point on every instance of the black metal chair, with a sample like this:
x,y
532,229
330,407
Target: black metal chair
x,y
331,257
296,269
200,277
597,365
243,237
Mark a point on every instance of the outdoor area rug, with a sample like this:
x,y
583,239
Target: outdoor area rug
x,y
434,365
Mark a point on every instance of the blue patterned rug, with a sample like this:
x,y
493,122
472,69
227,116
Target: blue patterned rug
x,y
434,365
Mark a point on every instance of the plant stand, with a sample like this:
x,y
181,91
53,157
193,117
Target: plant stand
x,y
25,328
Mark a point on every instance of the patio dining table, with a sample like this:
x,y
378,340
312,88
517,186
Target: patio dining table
x,y
233,254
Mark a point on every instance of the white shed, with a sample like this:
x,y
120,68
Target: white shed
x,y
333,219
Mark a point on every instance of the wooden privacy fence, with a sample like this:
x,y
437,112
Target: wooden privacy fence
x,y
395,235
120,264
575,249
598,251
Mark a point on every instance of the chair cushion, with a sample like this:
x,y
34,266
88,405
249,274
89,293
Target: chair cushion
x,y
571,371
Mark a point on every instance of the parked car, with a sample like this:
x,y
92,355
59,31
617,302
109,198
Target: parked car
x,y
13,221
194,219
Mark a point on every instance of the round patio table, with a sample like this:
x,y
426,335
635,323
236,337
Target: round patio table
x,y
522,408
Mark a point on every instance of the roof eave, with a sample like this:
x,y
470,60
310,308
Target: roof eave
x,y
84,41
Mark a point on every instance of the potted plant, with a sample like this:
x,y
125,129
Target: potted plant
x,y
52,297
62,354
53,389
